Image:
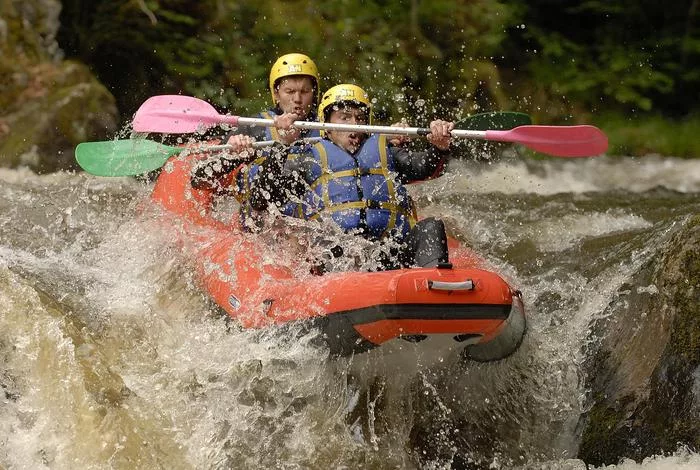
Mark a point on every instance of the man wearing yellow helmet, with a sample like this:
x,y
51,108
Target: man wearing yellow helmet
x,y
358,180
294,87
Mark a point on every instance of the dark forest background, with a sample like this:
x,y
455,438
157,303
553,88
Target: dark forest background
x,y
629,66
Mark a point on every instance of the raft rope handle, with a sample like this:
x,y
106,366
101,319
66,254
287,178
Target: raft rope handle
x,y
442,285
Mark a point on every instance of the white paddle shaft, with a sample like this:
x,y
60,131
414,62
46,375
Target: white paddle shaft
x,y
390,130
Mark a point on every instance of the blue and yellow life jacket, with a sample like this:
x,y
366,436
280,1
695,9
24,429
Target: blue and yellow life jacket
x,y
359,191
248,172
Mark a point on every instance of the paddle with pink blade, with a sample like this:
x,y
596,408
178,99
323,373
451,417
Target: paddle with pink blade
x,y
175,114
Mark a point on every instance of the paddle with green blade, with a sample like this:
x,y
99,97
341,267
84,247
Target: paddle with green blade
x,y
138,156
175,114
498,120
132,157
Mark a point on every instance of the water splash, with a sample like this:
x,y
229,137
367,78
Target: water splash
x,y
113,357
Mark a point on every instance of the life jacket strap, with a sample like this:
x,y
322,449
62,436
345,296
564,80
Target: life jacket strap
x,y
274,133
241,183
369,204
392,205
355,172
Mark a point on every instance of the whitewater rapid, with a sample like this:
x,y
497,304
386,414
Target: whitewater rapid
x,y
112,357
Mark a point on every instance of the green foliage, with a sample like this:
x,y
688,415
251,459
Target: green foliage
x,y
142,48
418,58
608,71
639,135
628,55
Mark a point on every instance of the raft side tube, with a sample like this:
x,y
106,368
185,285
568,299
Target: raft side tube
x,y
507,340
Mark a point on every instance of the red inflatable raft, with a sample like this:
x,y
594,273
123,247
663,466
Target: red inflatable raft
x,y
471,308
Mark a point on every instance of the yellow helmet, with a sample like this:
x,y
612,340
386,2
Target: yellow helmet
x,y
344,93
293,64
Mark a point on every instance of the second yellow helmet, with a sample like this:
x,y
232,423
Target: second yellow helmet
x,y
293,64
344,93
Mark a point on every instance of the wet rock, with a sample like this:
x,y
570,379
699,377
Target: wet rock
x,y
644,378
28,28
47,105
8,387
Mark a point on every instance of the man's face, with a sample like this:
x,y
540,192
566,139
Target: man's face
x,y
349,141
295,95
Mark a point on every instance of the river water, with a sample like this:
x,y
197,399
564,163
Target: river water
x,y
111,357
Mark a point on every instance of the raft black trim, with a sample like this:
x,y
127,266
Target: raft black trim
x,y
343,339
426,312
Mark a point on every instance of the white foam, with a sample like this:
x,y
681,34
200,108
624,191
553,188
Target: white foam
x,y
578,175
564,232
683,459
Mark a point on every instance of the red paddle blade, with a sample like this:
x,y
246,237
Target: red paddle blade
x,y
175,114
562,141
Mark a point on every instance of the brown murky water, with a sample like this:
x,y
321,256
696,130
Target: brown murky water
x,y
111,357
